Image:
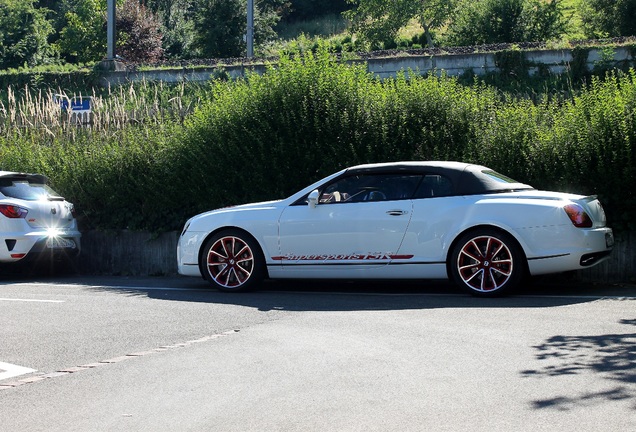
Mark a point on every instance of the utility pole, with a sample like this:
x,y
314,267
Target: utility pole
x,y
110,31
250,28
110,63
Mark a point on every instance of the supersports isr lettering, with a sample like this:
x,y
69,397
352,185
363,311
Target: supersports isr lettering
x,y
376,256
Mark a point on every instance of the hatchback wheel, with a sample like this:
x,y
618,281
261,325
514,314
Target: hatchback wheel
x,y
232,261
486,263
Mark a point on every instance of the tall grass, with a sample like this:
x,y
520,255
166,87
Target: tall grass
x,y
148,103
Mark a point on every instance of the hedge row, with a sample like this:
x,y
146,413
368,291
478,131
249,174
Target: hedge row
x,y
267,136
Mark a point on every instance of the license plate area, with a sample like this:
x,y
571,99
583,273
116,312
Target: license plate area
x,y
60,243
609,240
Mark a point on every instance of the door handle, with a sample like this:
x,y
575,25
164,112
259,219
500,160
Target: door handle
x,y
396,212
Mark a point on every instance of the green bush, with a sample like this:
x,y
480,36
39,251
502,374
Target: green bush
x,y
265,137
269,135
585,145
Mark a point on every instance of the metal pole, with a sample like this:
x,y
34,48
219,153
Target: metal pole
x,y
110,30
250,28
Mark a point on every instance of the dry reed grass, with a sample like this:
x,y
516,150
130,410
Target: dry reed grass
x,y
113,109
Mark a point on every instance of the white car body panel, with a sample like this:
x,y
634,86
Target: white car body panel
x,y
406,239
49,225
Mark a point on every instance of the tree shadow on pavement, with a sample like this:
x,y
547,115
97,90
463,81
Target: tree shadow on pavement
x,y
612,356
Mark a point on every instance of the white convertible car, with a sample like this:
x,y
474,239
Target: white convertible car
x,y
408,220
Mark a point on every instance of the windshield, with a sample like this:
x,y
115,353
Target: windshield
x,y
22,189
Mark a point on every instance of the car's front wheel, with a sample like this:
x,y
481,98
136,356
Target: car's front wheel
x,y
486,263
232,261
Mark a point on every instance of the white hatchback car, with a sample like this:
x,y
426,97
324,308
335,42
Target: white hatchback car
x,y
34,219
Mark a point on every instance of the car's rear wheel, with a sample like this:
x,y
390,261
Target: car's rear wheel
x,y
232,261
486,263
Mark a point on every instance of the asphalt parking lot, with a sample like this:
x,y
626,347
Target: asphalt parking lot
x,y
168,353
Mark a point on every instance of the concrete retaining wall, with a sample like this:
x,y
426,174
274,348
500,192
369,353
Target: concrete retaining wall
x,y
555,61
128,253
142,254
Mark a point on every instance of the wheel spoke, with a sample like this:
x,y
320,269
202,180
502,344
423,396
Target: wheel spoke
x,y
488,282
215,254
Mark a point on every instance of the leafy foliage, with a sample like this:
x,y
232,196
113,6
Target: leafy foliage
x,y
177,26
83,37
608,18
378,20
495,21
140,39
221,24
304,10
24,30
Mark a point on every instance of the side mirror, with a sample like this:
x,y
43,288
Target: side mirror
x,y
312,198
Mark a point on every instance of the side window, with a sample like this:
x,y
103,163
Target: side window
x,y
370,187
433,186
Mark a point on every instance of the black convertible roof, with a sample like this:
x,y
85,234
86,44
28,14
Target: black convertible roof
x,y
467,179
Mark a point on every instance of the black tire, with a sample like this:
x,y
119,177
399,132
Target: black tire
x,y
232,261
486,263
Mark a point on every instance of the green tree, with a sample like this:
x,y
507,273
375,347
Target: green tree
x,y
220,26
380,20
24,32
608,18
303,10
177,26
83,37
496,21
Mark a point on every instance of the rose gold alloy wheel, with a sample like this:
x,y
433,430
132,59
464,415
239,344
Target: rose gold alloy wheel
x,y
485,263
230,262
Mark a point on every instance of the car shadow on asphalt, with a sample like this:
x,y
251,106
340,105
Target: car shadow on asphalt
x,y
327,295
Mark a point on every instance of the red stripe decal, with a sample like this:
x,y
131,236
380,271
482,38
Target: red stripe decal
x,y
343,257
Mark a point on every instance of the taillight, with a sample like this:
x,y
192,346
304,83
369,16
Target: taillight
x,y
577,215
13,212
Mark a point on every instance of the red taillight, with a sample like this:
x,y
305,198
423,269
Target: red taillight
x,y
13,212
577,215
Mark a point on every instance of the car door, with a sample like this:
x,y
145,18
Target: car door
x,y
358,224
435,217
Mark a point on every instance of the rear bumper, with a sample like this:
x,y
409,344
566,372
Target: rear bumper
x,y
591,247
25,247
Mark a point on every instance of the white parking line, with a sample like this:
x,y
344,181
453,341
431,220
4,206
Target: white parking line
x,y
114,287
13,370
8,370
32,300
